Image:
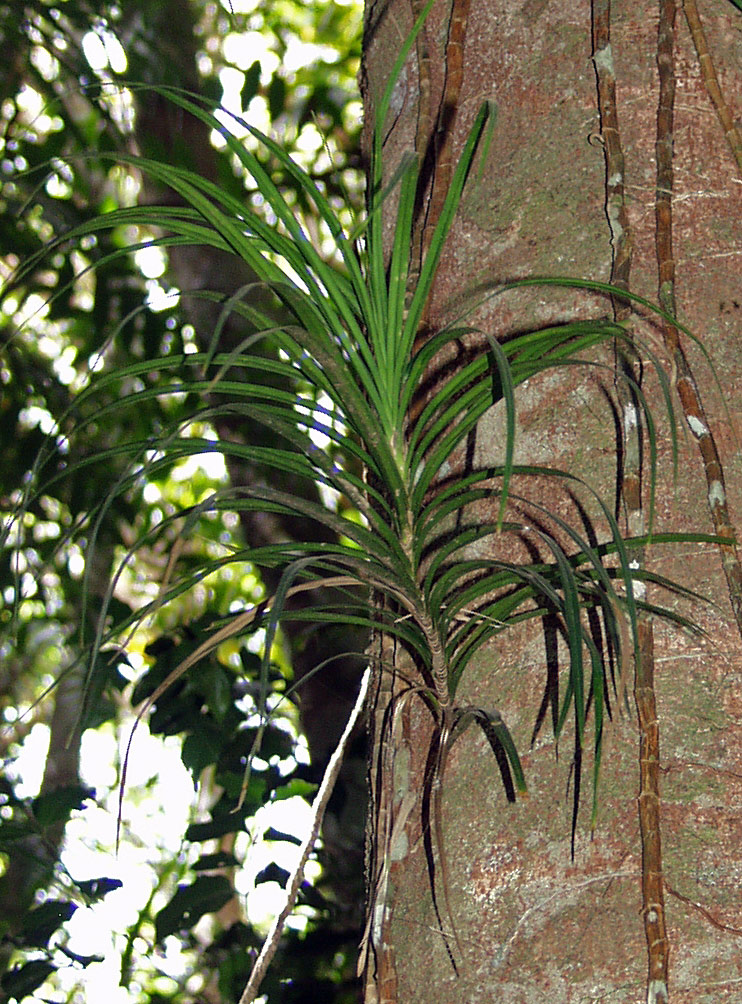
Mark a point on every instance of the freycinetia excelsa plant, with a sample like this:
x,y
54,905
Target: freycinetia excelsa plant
x,y
343,363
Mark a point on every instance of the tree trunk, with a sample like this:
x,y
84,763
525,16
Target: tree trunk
x,y
533,919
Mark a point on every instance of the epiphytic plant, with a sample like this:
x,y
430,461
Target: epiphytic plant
x,y
331,368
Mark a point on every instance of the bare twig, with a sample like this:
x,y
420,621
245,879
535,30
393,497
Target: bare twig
x,y
318,811
727,928
236,625
563,892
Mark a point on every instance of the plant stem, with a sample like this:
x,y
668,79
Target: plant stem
x,y
653,903
690,398
653,909
708,73
615,204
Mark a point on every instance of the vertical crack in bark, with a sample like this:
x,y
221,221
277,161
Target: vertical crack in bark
x,y
653,909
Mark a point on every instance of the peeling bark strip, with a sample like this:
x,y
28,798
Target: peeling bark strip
x,y
708,73
435,131
446,119
690,398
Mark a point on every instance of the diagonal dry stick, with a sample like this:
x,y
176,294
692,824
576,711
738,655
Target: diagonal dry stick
x,y
318,812
235,626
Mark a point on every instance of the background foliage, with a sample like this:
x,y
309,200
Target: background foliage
x,y
291,67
